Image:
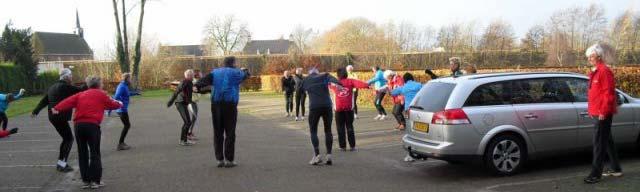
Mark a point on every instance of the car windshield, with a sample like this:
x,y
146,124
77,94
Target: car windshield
x,y
433,96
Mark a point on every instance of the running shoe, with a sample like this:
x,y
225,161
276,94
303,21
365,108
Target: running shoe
x,y
220,164
297,118
610,173
13,131
328,159
377,117
591,180
187,143
123,146
316,160
85,185
230,164
65,169
382,118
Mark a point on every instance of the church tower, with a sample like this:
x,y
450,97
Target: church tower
x,y
79,30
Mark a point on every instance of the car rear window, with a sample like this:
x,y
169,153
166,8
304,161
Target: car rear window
x,y
433,96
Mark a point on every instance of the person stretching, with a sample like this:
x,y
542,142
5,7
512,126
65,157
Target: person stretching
x,y
380,87
409,91
316,85
301,96
396,81
288,86
5,99
90,106
182,98
225,82
344,106
55,94
122,95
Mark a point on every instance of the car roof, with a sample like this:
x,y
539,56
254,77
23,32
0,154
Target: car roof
x,y
489,77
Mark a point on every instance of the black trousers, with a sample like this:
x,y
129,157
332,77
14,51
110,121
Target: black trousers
x,y
89,160
124,117
314,118
355,101
186,120
398,114
288,97
378,102
604,147
64,130
225,117
344,122
4,120
194,116
300,99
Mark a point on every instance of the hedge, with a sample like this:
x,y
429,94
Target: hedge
x,y
13,78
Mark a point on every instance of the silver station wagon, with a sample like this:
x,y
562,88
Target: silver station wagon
x,y
505,119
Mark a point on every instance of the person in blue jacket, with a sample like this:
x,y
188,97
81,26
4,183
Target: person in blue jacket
x,y
380,85
225,94
409,90
122,95
5,99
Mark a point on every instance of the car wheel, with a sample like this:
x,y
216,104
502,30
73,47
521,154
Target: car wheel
x,y
505,155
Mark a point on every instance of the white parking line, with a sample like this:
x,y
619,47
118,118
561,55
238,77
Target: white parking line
x,y
18,166
44,140
15,188
493,187
35,132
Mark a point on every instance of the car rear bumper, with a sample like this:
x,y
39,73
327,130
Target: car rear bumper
x,y
422,149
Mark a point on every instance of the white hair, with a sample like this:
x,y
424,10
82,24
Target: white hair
x,y
349,67
188,72
93,82
314,70
65,73
595,48
388,73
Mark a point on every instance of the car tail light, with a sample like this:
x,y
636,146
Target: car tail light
x,y
450,117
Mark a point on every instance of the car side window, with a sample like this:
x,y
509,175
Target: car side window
x,y
542,90
488,94
578,88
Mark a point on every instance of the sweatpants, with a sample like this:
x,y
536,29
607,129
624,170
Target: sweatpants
x,y
288,97
604,147
344,121
193,109
398,114
378,102
89,160
124,117
64,130
225,117
186,120
4,120
301,96
314,118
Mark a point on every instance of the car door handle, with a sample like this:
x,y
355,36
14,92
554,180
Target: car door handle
x,y
584,114
531,116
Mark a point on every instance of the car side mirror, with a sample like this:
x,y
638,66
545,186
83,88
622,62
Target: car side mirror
x,y
621,99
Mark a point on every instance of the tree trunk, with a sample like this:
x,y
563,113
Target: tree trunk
x,y
138,53
125,38
119,47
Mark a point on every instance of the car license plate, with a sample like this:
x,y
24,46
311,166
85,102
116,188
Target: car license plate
x,y
423,127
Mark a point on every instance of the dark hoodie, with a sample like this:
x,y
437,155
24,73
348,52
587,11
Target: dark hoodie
x,y
317,87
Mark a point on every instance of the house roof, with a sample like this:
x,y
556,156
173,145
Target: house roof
x,y
60,43
280,46
182,50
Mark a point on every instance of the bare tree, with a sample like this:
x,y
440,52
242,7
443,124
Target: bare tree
x,y
449,37
228,33
498,36
137,51
122,55
593,24
302,37
534,39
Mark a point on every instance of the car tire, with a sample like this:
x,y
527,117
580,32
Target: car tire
x,y
505,155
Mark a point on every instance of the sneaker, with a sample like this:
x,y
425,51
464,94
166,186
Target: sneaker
x,y
230,164
612,174
408,158
316,160
382,118
591,180
220,164
192,137
85,185
297,118
328,158
96,185
187,143
377,117
13,131
343,149
65,169
123,146
355,116
302,118
353,149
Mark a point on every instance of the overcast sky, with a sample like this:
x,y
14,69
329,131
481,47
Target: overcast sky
x,y
181,21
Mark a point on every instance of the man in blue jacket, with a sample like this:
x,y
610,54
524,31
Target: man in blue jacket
x,y
122,95
409,90
225,82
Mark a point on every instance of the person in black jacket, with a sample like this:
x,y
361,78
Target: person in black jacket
x,y
55,94
182,98
301,95
288,86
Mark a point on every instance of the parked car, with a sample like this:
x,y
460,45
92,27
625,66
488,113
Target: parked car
x,y
505,119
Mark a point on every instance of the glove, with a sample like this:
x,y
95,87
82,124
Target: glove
x,y
22,91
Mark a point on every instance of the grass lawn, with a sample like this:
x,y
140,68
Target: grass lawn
x,y
24,106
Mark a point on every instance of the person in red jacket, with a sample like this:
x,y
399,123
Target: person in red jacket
x,y
344,104
602,105
396,81
89,111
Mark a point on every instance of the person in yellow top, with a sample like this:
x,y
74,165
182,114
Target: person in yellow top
x,y
353,75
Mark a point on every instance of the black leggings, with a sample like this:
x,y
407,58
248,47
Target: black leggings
x,y
300,99
64,130
89,159
124,117
344,121
398,113
186,119
604,148
314,118
3,120
225,118
288,97
378,102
